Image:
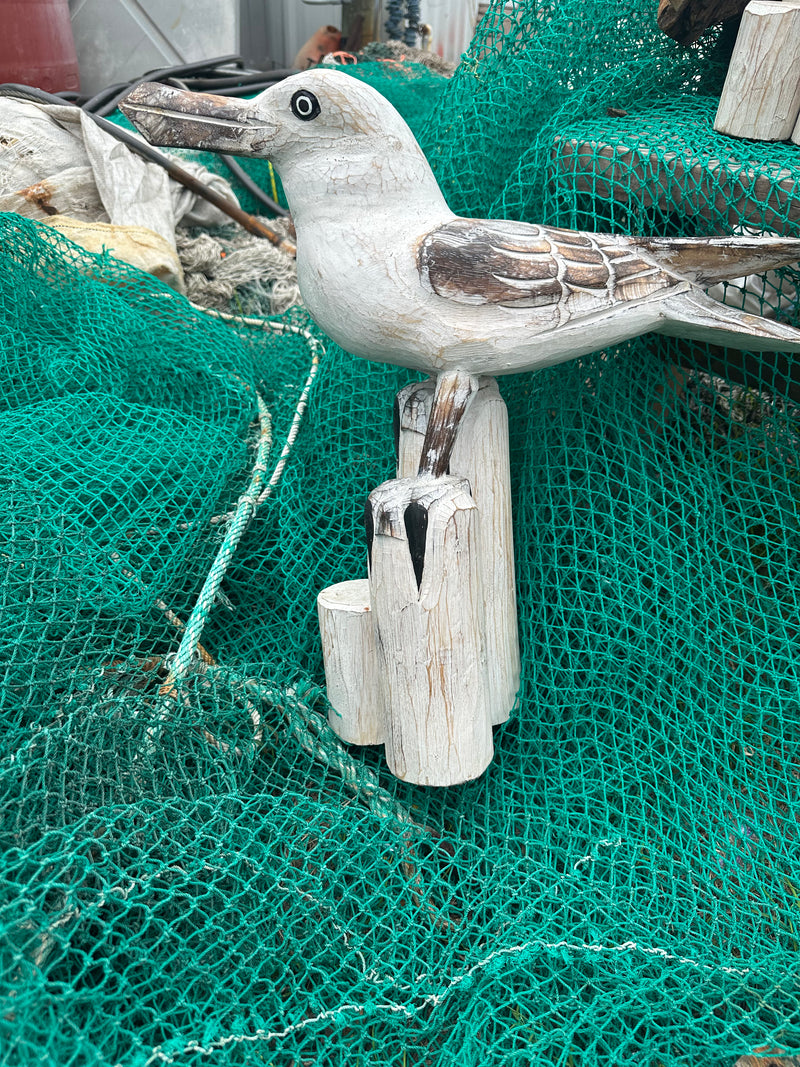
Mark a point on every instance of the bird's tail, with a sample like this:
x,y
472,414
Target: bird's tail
x,y
693,314
708,260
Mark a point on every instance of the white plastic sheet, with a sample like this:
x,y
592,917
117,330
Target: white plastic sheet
x,y
54,160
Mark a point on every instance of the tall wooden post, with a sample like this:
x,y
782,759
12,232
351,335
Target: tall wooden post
x,y
480,455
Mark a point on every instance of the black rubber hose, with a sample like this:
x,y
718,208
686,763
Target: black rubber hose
x,y
198,84
197,66
245,90
96,101
30,92
167,72
211,84
241,175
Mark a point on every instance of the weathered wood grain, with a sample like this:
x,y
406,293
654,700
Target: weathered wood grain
x,y
761,96
351,667
452,395
429,626
480,455
725,191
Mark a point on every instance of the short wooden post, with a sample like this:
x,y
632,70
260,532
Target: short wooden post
x,y
354,687
480,455
761,95
428,614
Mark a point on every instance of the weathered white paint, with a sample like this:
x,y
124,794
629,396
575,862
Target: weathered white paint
x,y
351,667
698,316
452,397
429,638
480,455
413,406
761,95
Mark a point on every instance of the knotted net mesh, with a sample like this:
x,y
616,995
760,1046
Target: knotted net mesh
x,y
194,869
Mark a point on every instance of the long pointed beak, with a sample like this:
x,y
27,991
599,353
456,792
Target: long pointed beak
x,y
176,118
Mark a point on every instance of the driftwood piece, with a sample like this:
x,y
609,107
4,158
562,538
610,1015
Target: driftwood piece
x,y
427,608
761,96
687,20
480,455
725,191
351,668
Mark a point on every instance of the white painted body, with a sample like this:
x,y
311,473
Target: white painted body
x,y
360,226
366,207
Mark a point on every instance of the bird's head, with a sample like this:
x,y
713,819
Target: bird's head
x,y
322,129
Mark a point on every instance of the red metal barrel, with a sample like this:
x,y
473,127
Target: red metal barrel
x,y
36,44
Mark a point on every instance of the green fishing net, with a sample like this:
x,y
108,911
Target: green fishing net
x,y
194,870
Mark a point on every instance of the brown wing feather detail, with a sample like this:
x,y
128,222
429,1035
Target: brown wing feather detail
x,y
472,261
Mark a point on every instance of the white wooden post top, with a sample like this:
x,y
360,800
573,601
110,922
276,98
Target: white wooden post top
x,y
425,585
761,96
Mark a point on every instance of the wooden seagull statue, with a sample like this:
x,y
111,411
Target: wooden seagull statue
x,y
391,274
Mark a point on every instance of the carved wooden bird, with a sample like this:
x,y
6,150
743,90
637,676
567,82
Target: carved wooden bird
x,y
391,274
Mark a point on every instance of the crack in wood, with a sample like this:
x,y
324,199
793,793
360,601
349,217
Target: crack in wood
x,y
415,518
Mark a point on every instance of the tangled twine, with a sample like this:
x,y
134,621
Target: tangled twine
x,y
235,269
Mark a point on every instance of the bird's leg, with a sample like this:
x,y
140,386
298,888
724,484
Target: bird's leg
x,y
454,390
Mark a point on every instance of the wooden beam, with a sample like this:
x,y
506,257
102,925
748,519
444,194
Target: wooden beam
x,y
724,191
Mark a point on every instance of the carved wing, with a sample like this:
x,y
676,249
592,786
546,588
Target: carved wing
x,y
472,261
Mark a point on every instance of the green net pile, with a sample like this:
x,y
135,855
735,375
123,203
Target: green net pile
x,y
195,871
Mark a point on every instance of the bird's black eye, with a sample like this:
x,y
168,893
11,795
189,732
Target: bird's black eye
x,y
305,105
